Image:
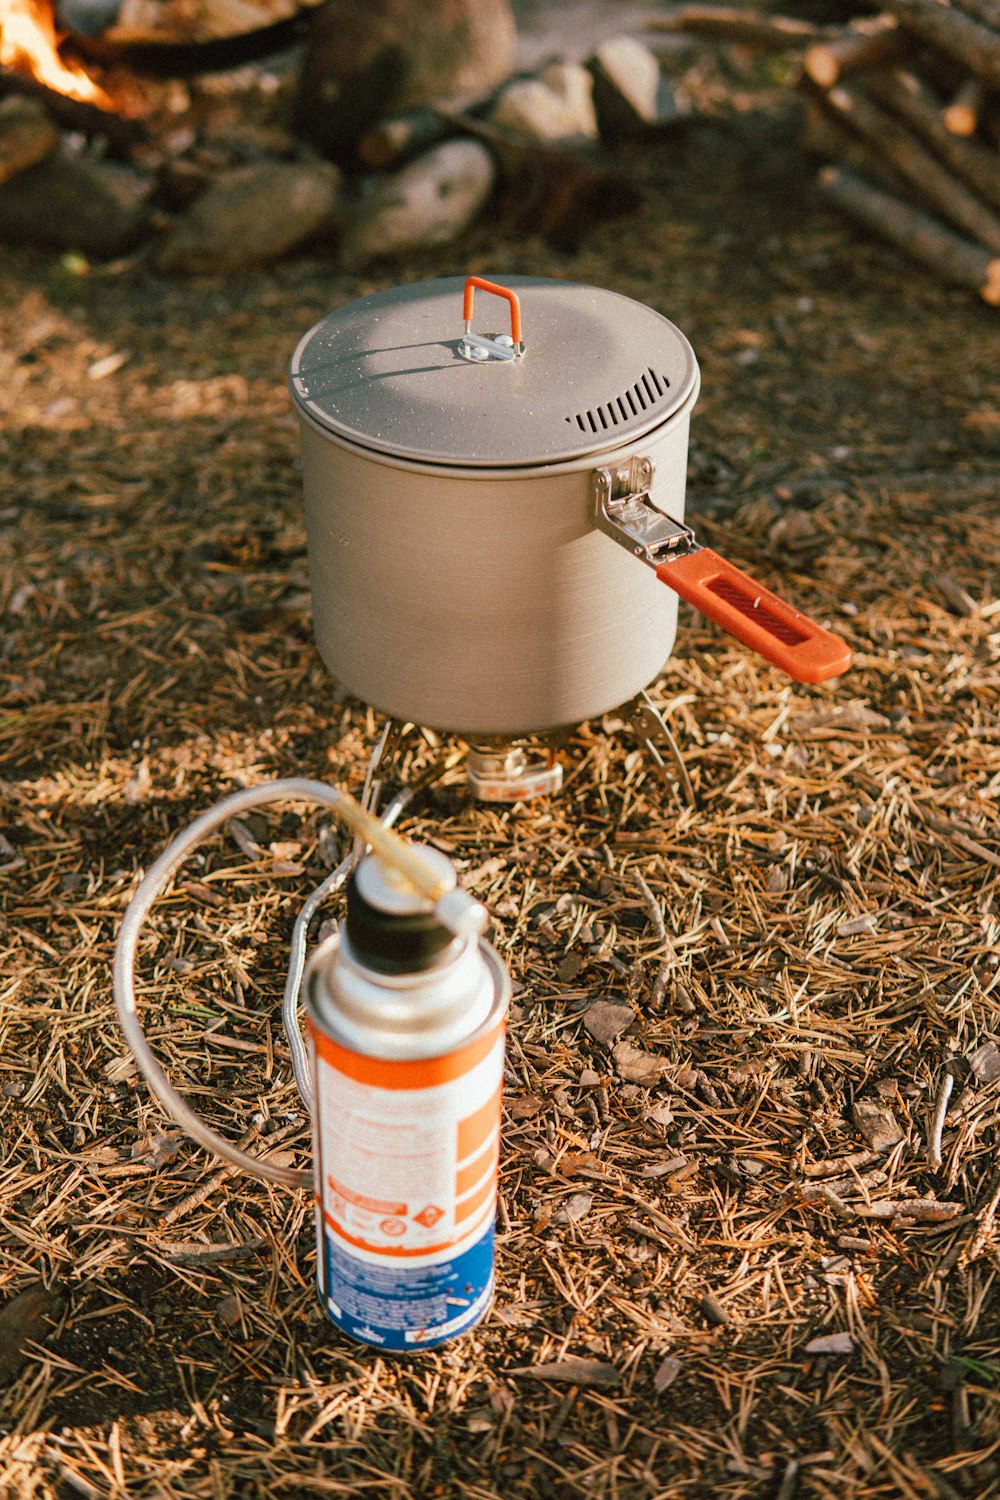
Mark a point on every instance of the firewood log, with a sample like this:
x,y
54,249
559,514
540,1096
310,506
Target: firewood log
x,y
827,138
987,11
961,116
748,27
953,258
913,162
973,44
867,44
910,99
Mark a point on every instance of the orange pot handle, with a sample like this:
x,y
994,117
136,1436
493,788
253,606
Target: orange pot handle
x,y
498,291
755,616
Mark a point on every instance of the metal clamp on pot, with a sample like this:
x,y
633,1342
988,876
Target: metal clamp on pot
x,y
623,508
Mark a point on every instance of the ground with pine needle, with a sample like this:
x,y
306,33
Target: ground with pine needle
x,y
747,1241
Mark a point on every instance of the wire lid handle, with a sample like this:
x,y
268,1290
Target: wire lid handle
x,y
498,291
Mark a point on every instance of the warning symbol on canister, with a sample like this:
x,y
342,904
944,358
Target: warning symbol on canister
x,y
429,1216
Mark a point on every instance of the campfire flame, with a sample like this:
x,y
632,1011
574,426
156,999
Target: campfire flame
x,y
29,44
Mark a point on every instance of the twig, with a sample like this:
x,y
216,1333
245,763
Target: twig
x,y
934,1157
659,927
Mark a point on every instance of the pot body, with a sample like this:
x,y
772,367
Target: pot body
x,y
484,602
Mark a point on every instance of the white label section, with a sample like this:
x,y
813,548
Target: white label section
x,y
407,1172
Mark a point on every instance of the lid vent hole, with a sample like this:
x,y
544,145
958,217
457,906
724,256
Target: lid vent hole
x,y
640,397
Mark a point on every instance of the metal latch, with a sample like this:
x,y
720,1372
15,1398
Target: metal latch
x,y
623,509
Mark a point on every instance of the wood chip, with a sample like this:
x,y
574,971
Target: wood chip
x,y
831,1343
985,1062
667,1374
877,1123
573,1370
604,1021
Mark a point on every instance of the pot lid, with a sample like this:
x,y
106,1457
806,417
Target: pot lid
x,y
392,372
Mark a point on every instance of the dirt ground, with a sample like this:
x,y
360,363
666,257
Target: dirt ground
x,y
828,893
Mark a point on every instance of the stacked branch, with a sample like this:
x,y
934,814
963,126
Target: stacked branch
x,y
904,106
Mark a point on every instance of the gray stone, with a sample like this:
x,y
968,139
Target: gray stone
x,y
557,105
631,93
72,202
430,202
369,59
251,217
27,135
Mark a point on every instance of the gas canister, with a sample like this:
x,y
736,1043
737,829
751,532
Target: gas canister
x,y
406,1025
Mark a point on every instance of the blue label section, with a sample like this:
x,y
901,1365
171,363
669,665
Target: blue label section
x,y
408,1307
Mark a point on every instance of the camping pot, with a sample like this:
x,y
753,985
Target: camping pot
x,y
479,507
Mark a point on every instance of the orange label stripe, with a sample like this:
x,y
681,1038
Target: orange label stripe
x,y
419,1073
475,1130
466,1177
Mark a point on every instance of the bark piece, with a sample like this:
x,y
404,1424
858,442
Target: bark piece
x,y
429,202
877,1123
27,135
251,217
557,105
637,1066
73,202
631,92
367,60
604,1021
949,255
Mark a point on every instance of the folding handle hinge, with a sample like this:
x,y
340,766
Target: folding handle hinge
x,y
623,509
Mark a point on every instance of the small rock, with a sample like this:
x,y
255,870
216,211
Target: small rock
x,y
831,1343
27,135
603,1021
26,1319
573,1208
631,92
667,1374
367,60
877,1123
72,202
557,105
638,1066
714,1311
251,217
985,1062
430,202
